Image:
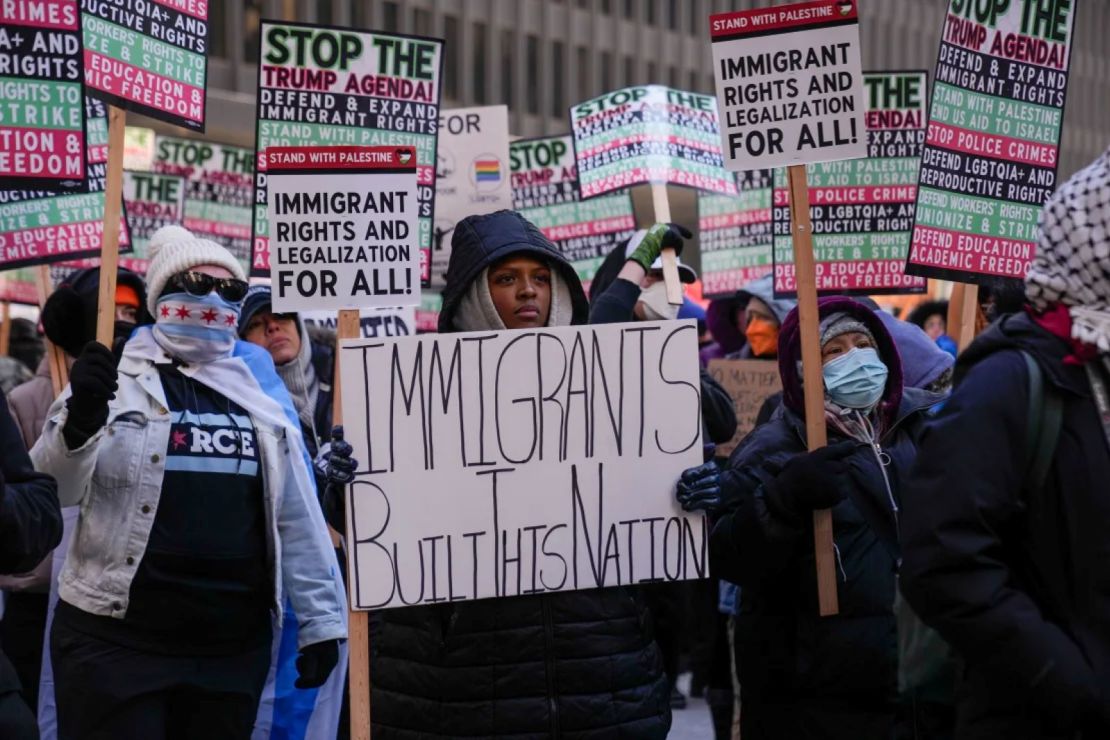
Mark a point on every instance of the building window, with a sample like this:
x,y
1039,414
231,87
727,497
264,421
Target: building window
x,y
607,6
693,82
323,12
649,8
630,9
532,63
451,57
672,77
507,41
217,31
629,71
558,83
606,71
478,43
584,4
422,22
390,16
585,78
672,14
653,74
695,16
252,13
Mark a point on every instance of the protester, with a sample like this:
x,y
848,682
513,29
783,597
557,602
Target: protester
x,y
932,317
571,665
198,515
1004,540
801,675
25,344
30,527
69,320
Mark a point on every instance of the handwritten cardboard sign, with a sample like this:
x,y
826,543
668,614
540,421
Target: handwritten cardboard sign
x,y
750,383
497,464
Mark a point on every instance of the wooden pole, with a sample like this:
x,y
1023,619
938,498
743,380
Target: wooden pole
x,y
358,626
109,250
662,209
55,357
6,328
969,312
814,385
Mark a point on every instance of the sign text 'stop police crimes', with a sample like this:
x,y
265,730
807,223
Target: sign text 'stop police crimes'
x,y
496,464
789,84
341,87
343,221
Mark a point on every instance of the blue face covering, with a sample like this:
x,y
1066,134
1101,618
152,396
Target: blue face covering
x,y
855,380
196,328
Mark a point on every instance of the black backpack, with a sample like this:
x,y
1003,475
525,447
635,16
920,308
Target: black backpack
x,y
1046,414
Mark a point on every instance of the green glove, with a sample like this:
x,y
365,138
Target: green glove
x,y
658,238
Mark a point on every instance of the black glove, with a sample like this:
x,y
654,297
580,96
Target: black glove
x,y
93,383
699,489
810,481
315,663
659,237
340,468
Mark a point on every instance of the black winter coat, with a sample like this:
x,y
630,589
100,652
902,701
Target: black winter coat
x,y
1017,581
802,675
30,518
575,665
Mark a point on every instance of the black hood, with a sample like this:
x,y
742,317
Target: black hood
x,y
69,316
480,241
1019,332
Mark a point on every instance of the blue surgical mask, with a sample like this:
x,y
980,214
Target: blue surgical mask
x,y
855,380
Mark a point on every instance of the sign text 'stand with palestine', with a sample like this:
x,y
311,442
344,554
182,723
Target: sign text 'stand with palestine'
x,y
322,87
496,464
992,146
343,227
42,118
149,56
789,84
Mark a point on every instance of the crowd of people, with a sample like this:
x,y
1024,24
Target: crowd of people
x,y
191,588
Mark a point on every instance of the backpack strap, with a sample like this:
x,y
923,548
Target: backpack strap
x,y
1045,417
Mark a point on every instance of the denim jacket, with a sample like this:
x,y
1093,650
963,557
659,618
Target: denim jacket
x,y
116,477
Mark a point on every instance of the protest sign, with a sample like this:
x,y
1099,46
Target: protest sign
x,y
427,312
472,174
138,148
862,209
735,235
749,383
219,193
373,322
991,152
648,134
153,200
343,221
545,191
39,227
42,120
19,286
149,56
322,86
497,464
789,84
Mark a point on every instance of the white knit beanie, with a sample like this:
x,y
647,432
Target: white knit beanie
x,y
173,249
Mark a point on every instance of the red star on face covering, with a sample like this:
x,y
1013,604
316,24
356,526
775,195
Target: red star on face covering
x,y
209,316
165,311
230,319
182,312
179,440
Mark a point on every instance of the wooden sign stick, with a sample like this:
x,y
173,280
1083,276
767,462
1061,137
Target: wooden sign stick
x,y
662,209
801,230
56,359
6,328
969,312
109,250
358,626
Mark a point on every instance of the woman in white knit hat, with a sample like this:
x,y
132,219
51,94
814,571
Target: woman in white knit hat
x,y
198,518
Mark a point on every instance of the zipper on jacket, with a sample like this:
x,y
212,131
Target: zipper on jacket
x,y
549,664
884,459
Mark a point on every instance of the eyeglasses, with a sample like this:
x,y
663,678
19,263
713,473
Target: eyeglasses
x,y
200,284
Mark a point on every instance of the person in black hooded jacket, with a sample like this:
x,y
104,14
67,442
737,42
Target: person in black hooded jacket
x,y
802,675
570,665
1010,565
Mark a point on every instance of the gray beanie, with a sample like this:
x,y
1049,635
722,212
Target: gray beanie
x,y
836,324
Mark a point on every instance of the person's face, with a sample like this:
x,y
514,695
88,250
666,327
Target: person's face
x,y
757,309
844,344
277,333
649,280
935,326
125,312
521,291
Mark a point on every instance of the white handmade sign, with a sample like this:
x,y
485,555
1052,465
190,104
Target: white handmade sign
x,y
496,464
373,322
343,227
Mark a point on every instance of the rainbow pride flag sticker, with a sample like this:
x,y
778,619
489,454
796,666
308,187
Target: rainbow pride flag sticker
x,y
487,170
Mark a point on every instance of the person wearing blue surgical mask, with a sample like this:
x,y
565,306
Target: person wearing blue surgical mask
x,y
802,675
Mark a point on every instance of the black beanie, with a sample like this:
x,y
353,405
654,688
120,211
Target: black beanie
x,y
69,316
